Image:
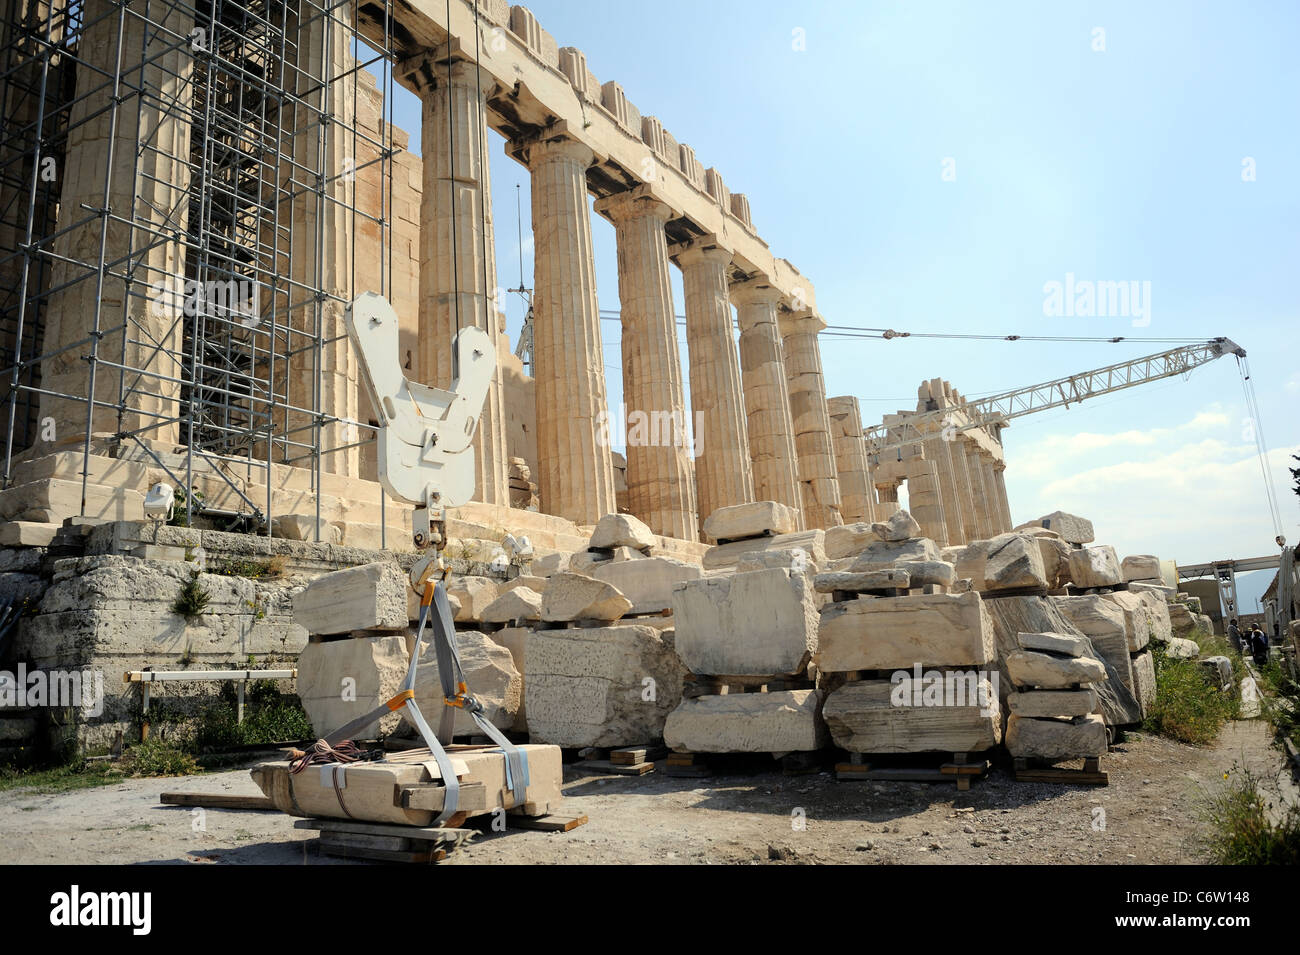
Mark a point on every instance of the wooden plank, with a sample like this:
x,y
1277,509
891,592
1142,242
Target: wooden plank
x,y
614,769
965,769
1077,777
631,755
219,801
554,822
417,856
455,836
911,774
356,840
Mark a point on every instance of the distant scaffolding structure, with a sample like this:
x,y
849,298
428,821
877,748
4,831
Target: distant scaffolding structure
x,y
188,200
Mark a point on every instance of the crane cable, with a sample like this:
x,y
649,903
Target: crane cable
x,y
1261,447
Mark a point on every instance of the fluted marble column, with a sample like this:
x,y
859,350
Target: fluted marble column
x,y
1000,485
767,400
942,450
457,256
857,496
975,468
575,474
660,478
993,510
723,471
966,497
923,501
818,480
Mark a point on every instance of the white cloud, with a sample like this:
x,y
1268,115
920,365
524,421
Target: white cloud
x,y
1190,492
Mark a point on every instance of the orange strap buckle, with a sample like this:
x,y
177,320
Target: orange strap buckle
x,y
397,702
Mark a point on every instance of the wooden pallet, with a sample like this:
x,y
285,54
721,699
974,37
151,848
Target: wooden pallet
x,y
696,686
698,765
1028,770
376,842
961,769
622,761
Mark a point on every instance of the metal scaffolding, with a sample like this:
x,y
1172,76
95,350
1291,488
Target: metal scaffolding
x,y
178,221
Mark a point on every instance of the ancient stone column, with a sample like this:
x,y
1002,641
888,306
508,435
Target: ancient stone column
x,y
723,471
1000,485
991,494
995,500
140,320
23,33
923,501
458,277
857,496
767,400
324,372
962,490
575,476
941,449
980,492
660,479
818,480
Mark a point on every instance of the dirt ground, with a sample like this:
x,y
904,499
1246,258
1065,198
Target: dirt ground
x,y
1150,813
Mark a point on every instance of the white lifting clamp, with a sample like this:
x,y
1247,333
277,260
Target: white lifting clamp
x,y
426,435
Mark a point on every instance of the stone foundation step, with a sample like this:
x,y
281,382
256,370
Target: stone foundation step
x,y
50,500
959,768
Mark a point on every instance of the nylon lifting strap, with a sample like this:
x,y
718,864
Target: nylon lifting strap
x,y
457,696
435,607
405,701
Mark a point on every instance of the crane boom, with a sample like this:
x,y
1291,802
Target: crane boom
x,y
1061,393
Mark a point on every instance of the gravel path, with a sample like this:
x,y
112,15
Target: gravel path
x,y
1150,813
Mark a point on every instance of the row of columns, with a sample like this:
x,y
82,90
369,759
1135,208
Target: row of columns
x,y
748,443
760,429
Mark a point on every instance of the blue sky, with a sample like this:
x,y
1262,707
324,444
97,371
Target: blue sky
x,y
1124,163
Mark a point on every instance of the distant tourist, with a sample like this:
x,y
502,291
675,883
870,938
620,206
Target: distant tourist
x,y
1259,646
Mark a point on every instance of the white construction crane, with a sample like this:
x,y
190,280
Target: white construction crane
x,y
998,409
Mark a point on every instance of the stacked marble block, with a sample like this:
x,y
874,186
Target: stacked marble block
x,y
1115,604
746,633
361,639
1186,616
1054,714
593,637
764,532
896,626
